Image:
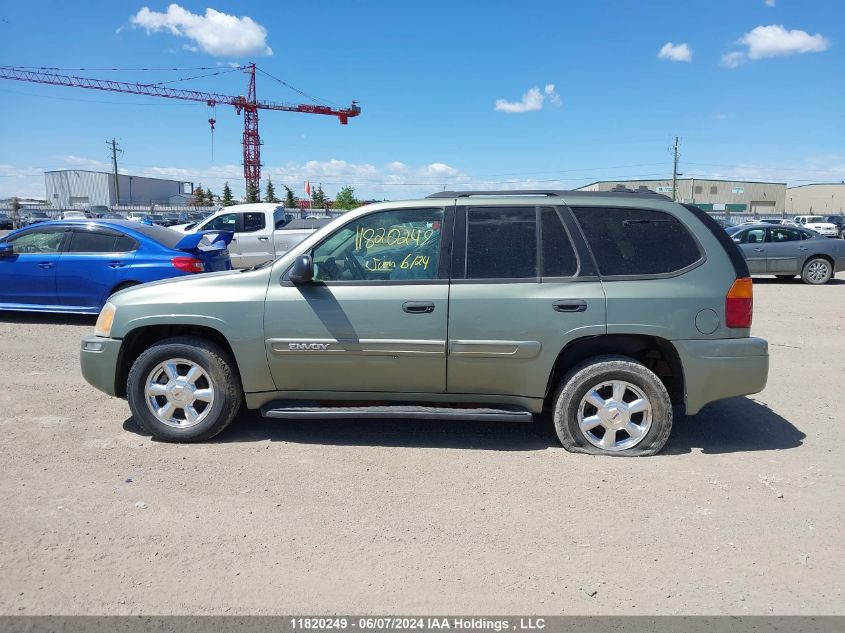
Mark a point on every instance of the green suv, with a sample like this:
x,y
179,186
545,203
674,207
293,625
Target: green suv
x,y
604,309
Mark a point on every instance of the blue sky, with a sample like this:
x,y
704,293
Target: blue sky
x,y
756,92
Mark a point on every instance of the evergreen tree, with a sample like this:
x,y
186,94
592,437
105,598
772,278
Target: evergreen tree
x,y
270,192
209,198
290,200
227,198
251,193
199,196
318,198
345,199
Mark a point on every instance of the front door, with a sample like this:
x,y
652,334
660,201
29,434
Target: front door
x,y
784,250
752,243
519,293
374,319
28,278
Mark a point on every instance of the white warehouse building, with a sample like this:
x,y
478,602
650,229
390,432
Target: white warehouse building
x,y
77,188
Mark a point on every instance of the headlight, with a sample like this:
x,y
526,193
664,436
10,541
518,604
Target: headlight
x,y
105,320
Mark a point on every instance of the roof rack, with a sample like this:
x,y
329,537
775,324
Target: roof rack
x,y
546,192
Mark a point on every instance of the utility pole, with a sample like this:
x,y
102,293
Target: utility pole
x,y
114,150
674,171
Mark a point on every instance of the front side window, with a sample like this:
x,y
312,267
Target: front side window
x,y
37,242
751,236
224,222
637,241
385,246
501,243
253,222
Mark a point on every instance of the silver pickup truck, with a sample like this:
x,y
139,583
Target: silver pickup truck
x,y
263,231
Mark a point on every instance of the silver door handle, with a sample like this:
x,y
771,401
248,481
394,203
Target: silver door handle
x,y
759,250
263,239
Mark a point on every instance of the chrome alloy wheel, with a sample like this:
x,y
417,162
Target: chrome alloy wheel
x,y
179,393
818,270
614,415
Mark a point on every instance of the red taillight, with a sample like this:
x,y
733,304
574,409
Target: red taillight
x,y
187,264
739,304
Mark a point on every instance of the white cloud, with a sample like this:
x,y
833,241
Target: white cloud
x,y
775,41
734,59
720,116
769,3
675,52
531,101
215,33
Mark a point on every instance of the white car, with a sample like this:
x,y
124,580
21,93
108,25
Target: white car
x,y
817,223
74,215
775,221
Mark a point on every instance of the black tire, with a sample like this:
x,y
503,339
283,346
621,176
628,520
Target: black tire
x,y
785,277
592,372
809,275
220,371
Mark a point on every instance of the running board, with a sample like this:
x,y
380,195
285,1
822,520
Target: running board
x,y
315,411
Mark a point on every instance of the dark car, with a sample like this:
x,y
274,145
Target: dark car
x,y
6,222
786,251
839,221
75,265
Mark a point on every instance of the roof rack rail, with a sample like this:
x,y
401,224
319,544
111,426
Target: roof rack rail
x,y
506,192
618,189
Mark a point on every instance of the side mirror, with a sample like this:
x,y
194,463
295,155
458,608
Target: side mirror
x,y
7,250
302,271
737,240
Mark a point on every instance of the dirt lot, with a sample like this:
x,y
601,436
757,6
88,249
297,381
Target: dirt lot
x,y
742,514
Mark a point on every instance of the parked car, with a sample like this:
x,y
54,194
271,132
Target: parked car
x,y
775,221
6,223
74,215
789,251
816,223
839,222
480,305
263,231
35,217
110,216
137,216
73,266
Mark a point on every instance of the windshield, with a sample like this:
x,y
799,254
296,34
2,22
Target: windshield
x,y
733,229
815,218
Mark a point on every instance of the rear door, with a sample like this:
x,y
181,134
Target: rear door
x,y
784,250
254,243
95,262
29,276
521,289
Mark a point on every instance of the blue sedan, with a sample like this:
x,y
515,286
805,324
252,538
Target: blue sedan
x,y
74,266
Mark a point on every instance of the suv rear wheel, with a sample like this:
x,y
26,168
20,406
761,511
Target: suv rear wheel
x,y
183,390
612,405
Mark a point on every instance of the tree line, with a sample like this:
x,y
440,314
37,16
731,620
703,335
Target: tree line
x,y
345,198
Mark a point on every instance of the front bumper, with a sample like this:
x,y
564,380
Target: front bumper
x,y
98,359
723,368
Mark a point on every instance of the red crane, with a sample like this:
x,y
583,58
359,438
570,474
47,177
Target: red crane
x,y
249,105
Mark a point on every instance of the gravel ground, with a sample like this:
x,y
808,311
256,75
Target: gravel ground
x,y
742,514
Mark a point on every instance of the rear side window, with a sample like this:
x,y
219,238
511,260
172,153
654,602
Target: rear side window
x,y
253,222
637,241
558,254
91,242
501,243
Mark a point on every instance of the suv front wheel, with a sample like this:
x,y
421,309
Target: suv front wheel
x,y
612,405
184,389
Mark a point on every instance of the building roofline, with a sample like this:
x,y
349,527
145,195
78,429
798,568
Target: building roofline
x,y
108,173
816,184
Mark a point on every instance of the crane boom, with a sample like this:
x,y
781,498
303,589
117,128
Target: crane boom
x,y
249,105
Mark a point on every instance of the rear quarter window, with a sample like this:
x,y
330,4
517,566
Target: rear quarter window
x,y
628,241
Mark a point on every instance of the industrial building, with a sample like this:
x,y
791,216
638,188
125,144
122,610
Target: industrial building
x,y
733,196
76,188
820,199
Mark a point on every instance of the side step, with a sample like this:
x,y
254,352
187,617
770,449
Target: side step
x,y
320,411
